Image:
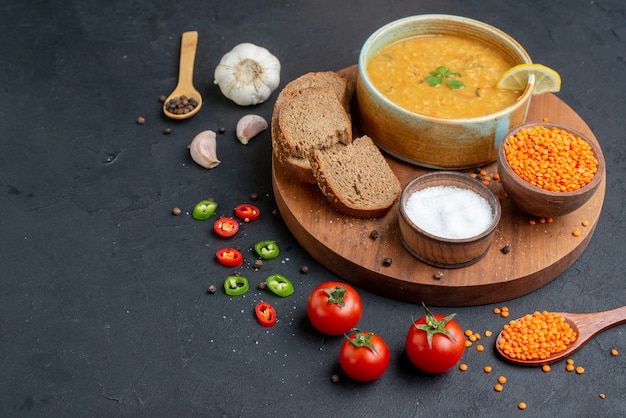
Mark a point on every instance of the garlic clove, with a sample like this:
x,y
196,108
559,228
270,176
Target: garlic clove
x,y
250,126
248,74
203,149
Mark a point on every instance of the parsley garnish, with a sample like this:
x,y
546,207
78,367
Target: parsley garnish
x,y
444,75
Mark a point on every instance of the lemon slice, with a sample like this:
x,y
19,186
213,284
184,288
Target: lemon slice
x,y
516,78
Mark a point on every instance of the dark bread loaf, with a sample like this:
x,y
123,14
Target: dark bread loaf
x,y
355,178
298,166
312,118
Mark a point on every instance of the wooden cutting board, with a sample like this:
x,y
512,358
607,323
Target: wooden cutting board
x,y
538,254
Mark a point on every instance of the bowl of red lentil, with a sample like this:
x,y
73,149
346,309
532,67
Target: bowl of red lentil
x,y
426,91
549,170
447,219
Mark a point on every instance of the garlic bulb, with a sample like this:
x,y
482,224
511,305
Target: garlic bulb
x,y
248,74
203,149
250,126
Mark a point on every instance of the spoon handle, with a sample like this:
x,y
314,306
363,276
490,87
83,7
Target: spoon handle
x,y
590,324
188,45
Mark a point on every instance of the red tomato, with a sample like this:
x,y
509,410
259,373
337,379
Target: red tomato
x,y
334,308
446,347
364,356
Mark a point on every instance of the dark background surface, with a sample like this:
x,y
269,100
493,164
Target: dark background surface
x,y
103,305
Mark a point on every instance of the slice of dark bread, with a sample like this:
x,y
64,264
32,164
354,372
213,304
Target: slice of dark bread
x,y
299,167
356,178
312,118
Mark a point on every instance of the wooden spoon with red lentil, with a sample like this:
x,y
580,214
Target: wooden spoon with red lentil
x,y
547,337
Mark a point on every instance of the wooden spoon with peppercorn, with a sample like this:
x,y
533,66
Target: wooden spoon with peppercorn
x,y
586,326
185,101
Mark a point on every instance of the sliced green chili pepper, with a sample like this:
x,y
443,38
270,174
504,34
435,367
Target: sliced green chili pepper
x,y
236,285
279,285
267,249
204,209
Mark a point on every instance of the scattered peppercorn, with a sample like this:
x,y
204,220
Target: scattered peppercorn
x,y
506,249
304,269
176,211
275,213
262,286
167,131
387,261
254,197
335,378
221,130
438,275
162,98
374,234
181,105
258,264
212,289
141,120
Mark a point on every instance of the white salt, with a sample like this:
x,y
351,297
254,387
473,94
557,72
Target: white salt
x,y
449,212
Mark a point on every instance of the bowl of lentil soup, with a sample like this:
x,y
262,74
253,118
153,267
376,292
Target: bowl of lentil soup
x,y
447,219
426,90
549,170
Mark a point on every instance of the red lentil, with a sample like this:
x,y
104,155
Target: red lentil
x,y
550,158
576,232
488,333
480,347
498,387
545,368
521,405
585,223
602,396
487,369
463,367
580,370
502,380
614,352
536,336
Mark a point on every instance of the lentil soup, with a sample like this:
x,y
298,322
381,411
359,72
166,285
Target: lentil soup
x,y
400,70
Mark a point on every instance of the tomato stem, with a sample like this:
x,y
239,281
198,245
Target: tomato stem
x,y
432,326
361,339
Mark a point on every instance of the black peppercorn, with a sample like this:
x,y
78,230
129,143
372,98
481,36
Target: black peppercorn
x,y
167,131
212,289
387,261
258,264
506,249
304,269
374,234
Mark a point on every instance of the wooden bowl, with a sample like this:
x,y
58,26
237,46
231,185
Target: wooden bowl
x,y
446,252
431,141
539,202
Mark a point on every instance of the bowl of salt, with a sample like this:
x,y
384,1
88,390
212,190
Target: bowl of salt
x,y
448,219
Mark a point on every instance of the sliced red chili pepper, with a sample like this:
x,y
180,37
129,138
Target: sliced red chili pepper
x,y
236,285
229,257
247,212
226,227
265,314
